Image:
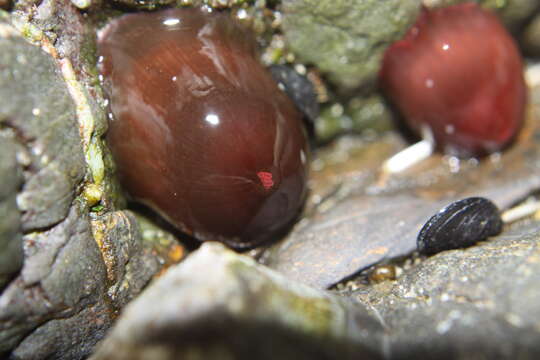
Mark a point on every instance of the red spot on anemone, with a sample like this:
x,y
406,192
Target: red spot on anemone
x,y
266,179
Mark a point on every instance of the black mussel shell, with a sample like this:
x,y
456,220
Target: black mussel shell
x,y
460,224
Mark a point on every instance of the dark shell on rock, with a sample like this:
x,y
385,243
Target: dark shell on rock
x,y
299,89
460,224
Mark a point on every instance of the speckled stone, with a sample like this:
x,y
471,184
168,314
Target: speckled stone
x,y
478,303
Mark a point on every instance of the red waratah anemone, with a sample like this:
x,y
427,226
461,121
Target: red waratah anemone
x,y
459,73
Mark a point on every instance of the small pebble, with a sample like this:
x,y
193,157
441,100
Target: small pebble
x,y
382,273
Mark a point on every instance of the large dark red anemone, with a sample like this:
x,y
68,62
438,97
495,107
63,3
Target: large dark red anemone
x,y
458,72
201,133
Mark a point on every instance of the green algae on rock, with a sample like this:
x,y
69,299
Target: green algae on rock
x,y
359,114
346,39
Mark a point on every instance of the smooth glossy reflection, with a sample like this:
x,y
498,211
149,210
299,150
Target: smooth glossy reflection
x,y
212,119
171,22
201,133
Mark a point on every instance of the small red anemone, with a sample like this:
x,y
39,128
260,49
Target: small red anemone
x,y
459,73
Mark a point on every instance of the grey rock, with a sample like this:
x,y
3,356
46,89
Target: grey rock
x,y
36,105
346,39
76,278
478,303
221,305
350,237
11,251
75,335
63,275
74,39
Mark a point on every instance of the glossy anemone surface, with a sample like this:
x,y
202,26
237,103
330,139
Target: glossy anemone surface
x,y
200,131
459,73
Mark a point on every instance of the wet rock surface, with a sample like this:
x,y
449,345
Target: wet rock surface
x,y
360,216
64,280
462,304
43,117
222,305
